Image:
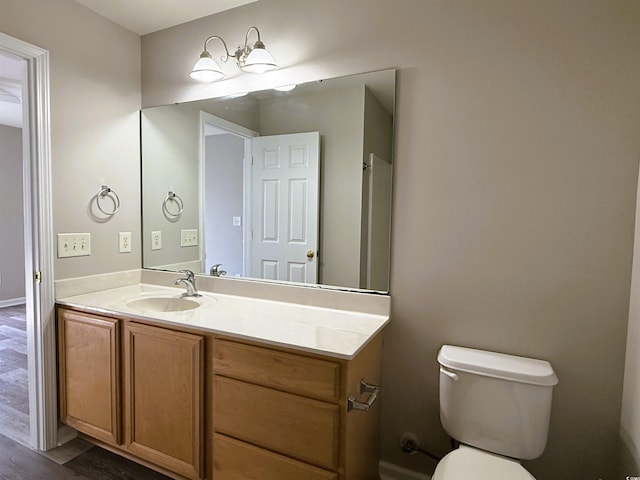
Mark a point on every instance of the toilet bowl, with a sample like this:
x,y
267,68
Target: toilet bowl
x,y
498,407
468,463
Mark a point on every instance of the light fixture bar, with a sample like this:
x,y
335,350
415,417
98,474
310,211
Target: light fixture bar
x,y
253,60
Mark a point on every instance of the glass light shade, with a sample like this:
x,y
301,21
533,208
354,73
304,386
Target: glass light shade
x,y
259,61
206,70
285,88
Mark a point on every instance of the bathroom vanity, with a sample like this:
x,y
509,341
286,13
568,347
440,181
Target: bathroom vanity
x,y
235,388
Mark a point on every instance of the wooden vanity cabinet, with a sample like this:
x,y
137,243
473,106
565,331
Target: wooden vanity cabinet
x,y
287,413
152,407
202,406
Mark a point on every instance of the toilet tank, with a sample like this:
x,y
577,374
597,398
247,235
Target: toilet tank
x,y
496,402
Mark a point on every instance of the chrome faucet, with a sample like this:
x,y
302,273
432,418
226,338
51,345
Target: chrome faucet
x,y
215,270
190,282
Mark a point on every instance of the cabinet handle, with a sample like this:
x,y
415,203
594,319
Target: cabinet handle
x,y
353,404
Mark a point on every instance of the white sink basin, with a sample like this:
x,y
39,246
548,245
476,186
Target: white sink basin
x,y
163,304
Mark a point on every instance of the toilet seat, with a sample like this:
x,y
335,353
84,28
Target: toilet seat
x,y
468,463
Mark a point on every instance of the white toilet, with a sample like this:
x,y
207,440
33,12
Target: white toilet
x,y
497,406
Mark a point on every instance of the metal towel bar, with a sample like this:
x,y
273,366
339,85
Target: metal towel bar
x,y
173,197
106,191
353,404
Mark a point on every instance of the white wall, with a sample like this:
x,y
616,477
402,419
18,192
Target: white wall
x,y
516,161
12,282
95,98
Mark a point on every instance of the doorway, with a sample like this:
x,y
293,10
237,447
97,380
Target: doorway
x,y
14,381
259,202
37,278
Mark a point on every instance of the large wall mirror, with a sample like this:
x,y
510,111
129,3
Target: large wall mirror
x,y
274,185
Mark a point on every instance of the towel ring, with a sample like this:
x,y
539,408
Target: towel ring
x,y
116,200
173,197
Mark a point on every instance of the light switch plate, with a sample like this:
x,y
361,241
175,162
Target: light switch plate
x,y
74,244
189,237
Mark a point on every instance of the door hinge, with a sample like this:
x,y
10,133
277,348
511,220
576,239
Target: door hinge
x,y
37,277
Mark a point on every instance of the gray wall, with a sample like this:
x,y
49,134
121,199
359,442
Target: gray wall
x,y
516,162
12,285
94,99
170,163
224,194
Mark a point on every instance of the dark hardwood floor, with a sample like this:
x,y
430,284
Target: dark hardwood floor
x,y
20,462
17,460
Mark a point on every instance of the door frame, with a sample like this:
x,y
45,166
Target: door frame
x,y
39,254
246,134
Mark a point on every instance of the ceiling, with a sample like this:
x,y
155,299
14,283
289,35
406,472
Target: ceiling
x,y
146,16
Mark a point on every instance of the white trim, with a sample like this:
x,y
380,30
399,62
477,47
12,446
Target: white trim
x,y
38,243
11,302
389,471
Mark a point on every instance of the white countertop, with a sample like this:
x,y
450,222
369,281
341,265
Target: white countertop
x,y
332,332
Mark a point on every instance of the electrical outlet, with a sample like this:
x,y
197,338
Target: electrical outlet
x,y
189,237
74,244
237,221
124,244
156,240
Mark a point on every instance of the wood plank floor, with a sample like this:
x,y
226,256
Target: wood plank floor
x,y
14,384
17,460
20,462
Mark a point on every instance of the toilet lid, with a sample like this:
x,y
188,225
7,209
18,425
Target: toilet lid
x,y
467,463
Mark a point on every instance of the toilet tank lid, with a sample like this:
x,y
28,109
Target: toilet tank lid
x,y
497,365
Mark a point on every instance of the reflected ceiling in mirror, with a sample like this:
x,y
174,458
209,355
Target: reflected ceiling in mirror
x,y
274,185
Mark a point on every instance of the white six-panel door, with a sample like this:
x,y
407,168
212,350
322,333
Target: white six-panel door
x,y
284,243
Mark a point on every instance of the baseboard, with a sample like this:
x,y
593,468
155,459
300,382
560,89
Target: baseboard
x,y
11,302
389,471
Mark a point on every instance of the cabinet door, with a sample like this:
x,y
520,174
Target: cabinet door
x,y
164,379
89,374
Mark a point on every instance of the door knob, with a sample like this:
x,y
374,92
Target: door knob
x,y
310,254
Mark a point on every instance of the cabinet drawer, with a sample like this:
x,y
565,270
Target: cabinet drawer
x,y
235,460
307,376
300,427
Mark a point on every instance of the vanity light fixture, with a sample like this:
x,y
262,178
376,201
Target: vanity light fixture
x,y
254,60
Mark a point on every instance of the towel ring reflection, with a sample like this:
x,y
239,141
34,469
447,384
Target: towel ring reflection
x,y
173,197
106,191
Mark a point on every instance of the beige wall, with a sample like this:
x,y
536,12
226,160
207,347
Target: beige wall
x,y
516,155
12,286
95,98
